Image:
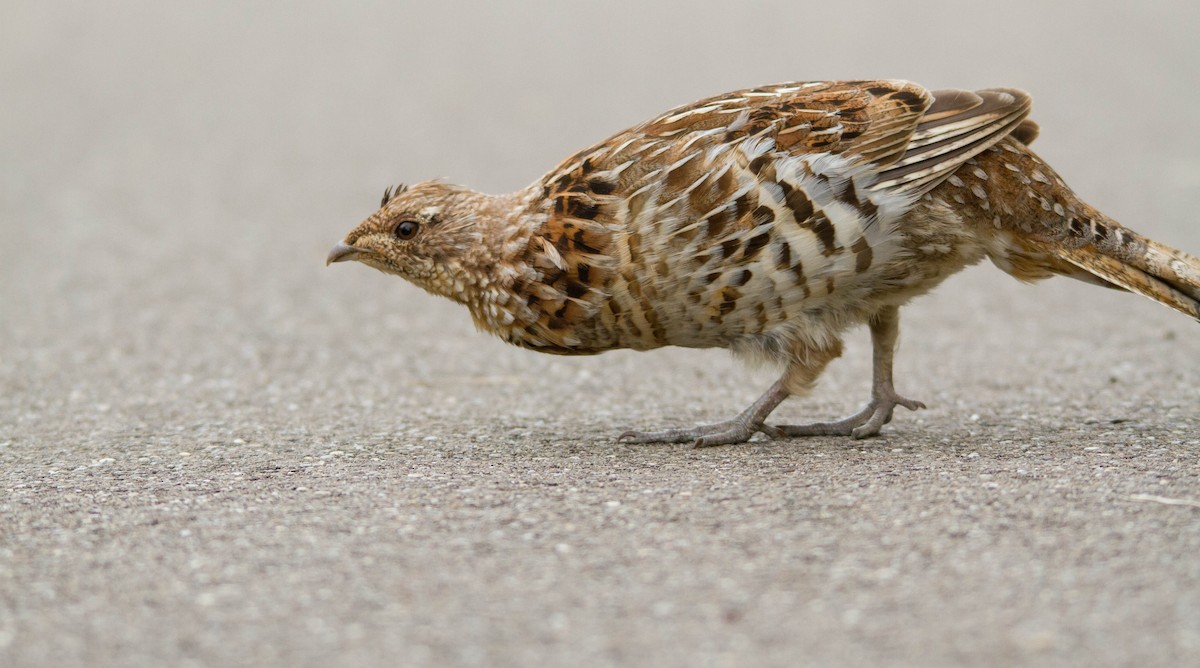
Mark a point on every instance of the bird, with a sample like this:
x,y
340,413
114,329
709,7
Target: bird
x,y
768,221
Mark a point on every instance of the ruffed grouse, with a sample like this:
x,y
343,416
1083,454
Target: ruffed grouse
x,y
767,221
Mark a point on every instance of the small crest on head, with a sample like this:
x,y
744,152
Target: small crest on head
x,y
389,194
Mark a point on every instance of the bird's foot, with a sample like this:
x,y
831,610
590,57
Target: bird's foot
x,y
736,430
863,424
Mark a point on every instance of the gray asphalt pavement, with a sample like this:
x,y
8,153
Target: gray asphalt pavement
x,y
216,451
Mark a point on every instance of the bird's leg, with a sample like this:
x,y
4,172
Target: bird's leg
x,y
735,430
802,370
885,328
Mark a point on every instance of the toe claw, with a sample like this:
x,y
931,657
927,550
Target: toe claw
x,y
639,437
771,432
910,404
667,436
728,437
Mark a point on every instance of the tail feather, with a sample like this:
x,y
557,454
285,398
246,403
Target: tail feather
x,y
1123,258
1165,288
1174,267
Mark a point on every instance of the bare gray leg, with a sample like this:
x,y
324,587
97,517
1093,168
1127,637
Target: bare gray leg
x,y
802,370
736,430
885,328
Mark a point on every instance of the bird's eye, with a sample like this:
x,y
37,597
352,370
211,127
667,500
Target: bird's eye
x,y
407,229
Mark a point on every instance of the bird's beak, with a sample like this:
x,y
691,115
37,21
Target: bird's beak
x,y
341,253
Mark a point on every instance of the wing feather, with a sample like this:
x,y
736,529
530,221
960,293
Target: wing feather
x,y
958,126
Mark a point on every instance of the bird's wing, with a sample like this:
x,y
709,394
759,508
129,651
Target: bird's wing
x,y
707,181
911,137
957,126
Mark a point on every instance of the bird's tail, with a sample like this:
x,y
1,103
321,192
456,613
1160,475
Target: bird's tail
x,y
1128,260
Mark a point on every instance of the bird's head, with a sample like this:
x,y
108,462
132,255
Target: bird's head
x,y
428,233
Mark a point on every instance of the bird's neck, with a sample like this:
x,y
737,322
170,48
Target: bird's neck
x,y
487,281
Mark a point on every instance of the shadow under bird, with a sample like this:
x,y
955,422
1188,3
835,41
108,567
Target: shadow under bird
x,y
767,221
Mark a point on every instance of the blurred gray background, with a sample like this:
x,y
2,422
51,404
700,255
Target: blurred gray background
x,y
214,450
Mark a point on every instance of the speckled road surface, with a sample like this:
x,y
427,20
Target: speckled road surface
x,y
216,451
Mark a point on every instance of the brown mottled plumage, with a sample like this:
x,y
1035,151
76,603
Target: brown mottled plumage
x,y
767,221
